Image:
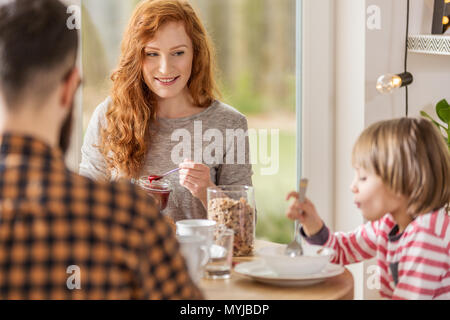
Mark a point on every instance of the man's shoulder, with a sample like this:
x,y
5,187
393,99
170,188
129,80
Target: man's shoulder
x,y
117,196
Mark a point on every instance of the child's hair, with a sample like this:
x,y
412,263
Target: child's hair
x,y
411,158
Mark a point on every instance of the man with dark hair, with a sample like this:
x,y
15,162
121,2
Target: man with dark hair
x,y
63,236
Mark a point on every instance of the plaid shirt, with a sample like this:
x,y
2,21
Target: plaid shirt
x,y
63,236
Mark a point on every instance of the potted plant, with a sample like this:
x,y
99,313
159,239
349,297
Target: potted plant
x,y
443,112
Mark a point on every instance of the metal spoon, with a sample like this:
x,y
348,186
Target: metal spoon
x,y
295,248
156,178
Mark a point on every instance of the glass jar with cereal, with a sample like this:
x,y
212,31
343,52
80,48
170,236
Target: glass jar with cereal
x,y
234,207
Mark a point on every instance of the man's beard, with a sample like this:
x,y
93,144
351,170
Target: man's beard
x,y
66,131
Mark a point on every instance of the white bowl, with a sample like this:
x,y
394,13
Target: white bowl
x,y
313,260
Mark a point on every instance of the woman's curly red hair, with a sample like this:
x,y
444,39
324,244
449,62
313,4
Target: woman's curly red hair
x,y
126,137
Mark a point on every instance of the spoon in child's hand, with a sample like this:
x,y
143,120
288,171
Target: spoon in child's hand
x,y
295,248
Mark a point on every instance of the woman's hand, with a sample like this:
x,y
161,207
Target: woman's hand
x,y
306,213
196,178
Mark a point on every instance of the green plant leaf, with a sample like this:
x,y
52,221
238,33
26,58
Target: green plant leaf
x,y
426,115
443,111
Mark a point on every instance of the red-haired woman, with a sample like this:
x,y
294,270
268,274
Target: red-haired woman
x,y
163,112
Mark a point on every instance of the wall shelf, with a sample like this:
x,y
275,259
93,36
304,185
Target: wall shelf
x,y
429,44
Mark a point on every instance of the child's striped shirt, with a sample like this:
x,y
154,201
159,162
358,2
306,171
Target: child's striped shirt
x,y
412,265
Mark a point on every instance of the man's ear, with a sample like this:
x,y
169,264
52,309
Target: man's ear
x,y
70,86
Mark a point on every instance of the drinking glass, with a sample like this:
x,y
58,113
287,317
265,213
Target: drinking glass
x,y
195,253
220,254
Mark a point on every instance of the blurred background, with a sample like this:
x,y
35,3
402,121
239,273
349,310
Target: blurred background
x,y
255,53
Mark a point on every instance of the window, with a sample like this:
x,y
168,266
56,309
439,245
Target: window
x,y
256,55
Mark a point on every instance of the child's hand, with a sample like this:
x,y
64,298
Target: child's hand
x,y
306,213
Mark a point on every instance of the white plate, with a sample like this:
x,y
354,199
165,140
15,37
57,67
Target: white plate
x,y
258,271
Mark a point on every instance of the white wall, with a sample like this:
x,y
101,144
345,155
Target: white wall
x,y
318,104
333,109
385,54
350,95
431,72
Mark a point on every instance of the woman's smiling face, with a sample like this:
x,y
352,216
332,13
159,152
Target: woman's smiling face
x,y
168,61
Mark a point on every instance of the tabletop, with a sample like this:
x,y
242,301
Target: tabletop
x,y
240,287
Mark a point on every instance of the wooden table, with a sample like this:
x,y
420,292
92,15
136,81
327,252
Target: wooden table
x,y
239,287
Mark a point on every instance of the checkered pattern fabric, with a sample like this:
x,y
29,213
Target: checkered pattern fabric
x,y
63,236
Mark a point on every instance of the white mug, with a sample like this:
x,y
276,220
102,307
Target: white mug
x,y
203,227
195,253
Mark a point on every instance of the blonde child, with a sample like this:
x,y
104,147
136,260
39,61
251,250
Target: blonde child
x,y
402,186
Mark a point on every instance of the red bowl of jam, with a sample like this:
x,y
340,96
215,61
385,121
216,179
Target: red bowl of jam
x,y
160,190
